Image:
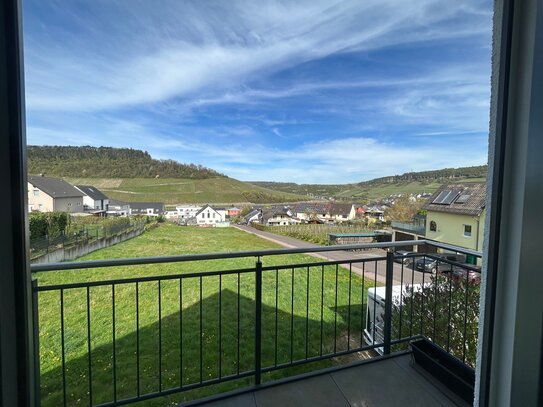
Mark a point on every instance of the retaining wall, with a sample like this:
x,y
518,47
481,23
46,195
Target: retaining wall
x,y
73,252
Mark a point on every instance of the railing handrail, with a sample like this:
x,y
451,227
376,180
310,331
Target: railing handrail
x,y
42,267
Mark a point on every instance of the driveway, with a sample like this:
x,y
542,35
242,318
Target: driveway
x,y
340,255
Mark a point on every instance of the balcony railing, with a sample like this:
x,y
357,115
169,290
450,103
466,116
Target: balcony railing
x,y
415,227
116,341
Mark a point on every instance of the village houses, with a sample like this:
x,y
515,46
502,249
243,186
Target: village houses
x,y
47,194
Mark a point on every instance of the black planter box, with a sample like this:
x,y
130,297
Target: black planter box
x,y
454,374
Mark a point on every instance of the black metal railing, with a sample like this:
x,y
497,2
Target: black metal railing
x,y
117,341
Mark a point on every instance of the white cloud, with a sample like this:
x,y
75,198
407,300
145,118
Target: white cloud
x,y
200,46
133,74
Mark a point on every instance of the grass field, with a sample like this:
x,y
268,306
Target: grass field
x,y
175,190
173,323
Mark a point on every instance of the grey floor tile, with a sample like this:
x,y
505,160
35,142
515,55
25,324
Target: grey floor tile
x,y
430,384
244,400
314,392
384,383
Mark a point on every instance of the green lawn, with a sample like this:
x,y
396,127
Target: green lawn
x,y
177,320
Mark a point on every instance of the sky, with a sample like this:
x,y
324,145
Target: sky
x,y
292,91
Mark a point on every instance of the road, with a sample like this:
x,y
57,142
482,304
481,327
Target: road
x,y
340,255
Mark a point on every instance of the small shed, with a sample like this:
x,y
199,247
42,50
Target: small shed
x,y
358,238
351,238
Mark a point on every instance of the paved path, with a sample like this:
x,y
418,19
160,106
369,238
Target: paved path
x,y
340,255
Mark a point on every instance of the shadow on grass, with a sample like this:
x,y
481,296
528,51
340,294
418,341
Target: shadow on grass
x,y
203,342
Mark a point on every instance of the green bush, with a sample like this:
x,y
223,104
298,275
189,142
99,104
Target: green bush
x,y
445,311
50,224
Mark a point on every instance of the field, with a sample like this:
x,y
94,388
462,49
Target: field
x,y
383,190
176,190
317,234
170,321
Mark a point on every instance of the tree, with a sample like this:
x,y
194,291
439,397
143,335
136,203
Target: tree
x,y
404,209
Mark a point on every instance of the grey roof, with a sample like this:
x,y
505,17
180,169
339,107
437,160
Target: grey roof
x,y
114,202
474,199
141,206
340,208
251,214
55,187
310,207
92,192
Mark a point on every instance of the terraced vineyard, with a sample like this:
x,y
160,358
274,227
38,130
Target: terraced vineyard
x,y
177,190
317,234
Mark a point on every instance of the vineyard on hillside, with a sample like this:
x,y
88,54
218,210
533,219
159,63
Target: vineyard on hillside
x,y
317,234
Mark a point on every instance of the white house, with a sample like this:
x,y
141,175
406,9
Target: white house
x,y
93,198
223,212
276,217
118,208
171,215
253,216
341,212
308,211
146,208
185,211
53,194
208,216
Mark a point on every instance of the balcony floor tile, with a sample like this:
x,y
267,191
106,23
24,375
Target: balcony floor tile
x,y
315,391
389,382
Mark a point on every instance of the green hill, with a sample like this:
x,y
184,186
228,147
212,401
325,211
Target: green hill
x,y
410,182
179,190
133,175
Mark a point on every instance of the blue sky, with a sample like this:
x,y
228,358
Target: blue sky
x,y
297,91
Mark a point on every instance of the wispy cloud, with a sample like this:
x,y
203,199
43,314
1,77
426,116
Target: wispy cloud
x,y
311,91
180,49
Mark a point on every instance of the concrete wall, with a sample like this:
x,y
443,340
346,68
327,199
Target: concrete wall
x,y
450,229
73,252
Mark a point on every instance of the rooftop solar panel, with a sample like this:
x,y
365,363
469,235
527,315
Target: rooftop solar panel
x,y
442,195
462,199
451,196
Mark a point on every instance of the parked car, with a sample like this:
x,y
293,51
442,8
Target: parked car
x,y
429,265
461,274
399,257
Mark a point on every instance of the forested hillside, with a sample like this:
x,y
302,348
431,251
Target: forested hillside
x,y
108,162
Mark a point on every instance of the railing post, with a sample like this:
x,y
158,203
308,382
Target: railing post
x,y
387,332
258,321
36,328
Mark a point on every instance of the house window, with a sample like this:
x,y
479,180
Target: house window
x,y
467,230
433,226
36,192
208,215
